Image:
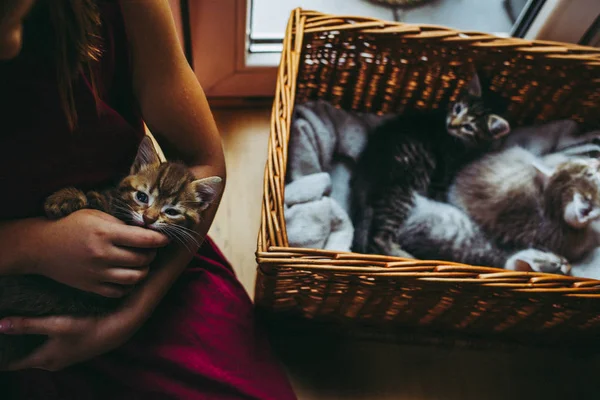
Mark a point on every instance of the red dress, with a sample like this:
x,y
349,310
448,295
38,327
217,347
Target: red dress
x,y
202,341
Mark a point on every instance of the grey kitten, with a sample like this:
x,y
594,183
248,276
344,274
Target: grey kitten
x,y
522,201
412,159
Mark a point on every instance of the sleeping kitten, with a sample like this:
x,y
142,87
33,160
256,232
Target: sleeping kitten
x,y
415,157
161,196
511,210
520,200
439,231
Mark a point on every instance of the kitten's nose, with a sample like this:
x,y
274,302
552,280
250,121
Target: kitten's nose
x,y
149,218
455,122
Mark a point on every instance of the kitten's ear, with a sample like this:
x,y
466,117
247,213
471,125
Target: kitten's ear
x,y
474,86
543,171
207,190
498,126
579,212
146,155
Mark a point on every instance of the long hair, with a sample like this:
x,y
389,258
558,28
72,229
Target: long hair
x,y
77,45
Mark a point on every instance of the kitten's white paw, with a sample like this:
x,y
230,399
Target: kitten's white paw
x,y
538,261
384,245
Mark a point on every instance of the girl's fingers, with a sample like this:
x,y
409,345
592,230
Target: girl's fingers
x,y
123,257
44,357
134,236
125,276
34,360
111,290
34,326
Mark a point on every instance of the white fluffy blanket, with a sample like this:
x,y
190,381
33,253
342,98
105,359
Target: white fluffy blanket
x,y
325,143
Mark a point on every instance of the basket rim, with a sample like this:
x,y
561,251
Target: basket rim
x,y
369,266
360,22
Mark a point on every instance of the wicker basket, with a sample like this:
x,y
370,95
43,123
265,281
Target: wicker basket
x,y
374,66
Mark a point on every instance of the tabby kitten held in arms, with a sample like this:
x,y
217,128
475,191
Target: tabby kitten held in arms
x,y
164,197
412,158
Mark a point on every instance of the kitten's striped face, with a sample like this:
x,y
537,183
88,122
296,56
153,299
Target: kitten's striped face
x,y
164,194
462,122
165,197
469,120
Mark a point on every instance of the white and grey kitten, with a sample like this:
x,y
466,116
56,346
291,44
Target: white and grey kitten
x,y
523,201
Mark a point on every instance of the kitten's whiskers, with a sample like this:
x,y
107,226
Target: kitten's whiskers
x,y
189,235
179,233
173,235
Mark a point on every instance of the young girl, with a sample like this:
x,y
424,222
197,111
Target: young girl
x,y
76,80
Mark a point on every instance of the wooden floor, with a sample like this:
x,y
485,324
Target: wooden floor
x,y
245,134
329,368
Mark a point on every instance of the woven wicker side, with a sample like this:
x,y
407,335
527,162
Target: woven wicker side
x,y
272,230
369,65
401,71
477,300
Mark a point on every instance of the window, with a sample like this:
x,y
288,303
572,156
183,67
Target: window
x,y
236,43
268,18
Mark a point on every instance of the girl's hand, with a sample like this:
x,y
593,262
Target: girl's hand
x,y
70,340
95,252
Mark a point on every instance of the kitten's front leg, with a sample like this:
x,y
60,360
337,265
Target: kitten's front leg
x,y
64,202
389,213
98,201
384,243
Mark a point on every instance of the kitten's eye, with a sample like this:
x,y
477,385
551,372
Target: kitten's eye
x,y
142,197
457,108
172,212
468,128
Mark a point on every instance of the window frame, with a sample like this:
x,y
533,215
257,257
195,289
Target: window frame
x,y
226,69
